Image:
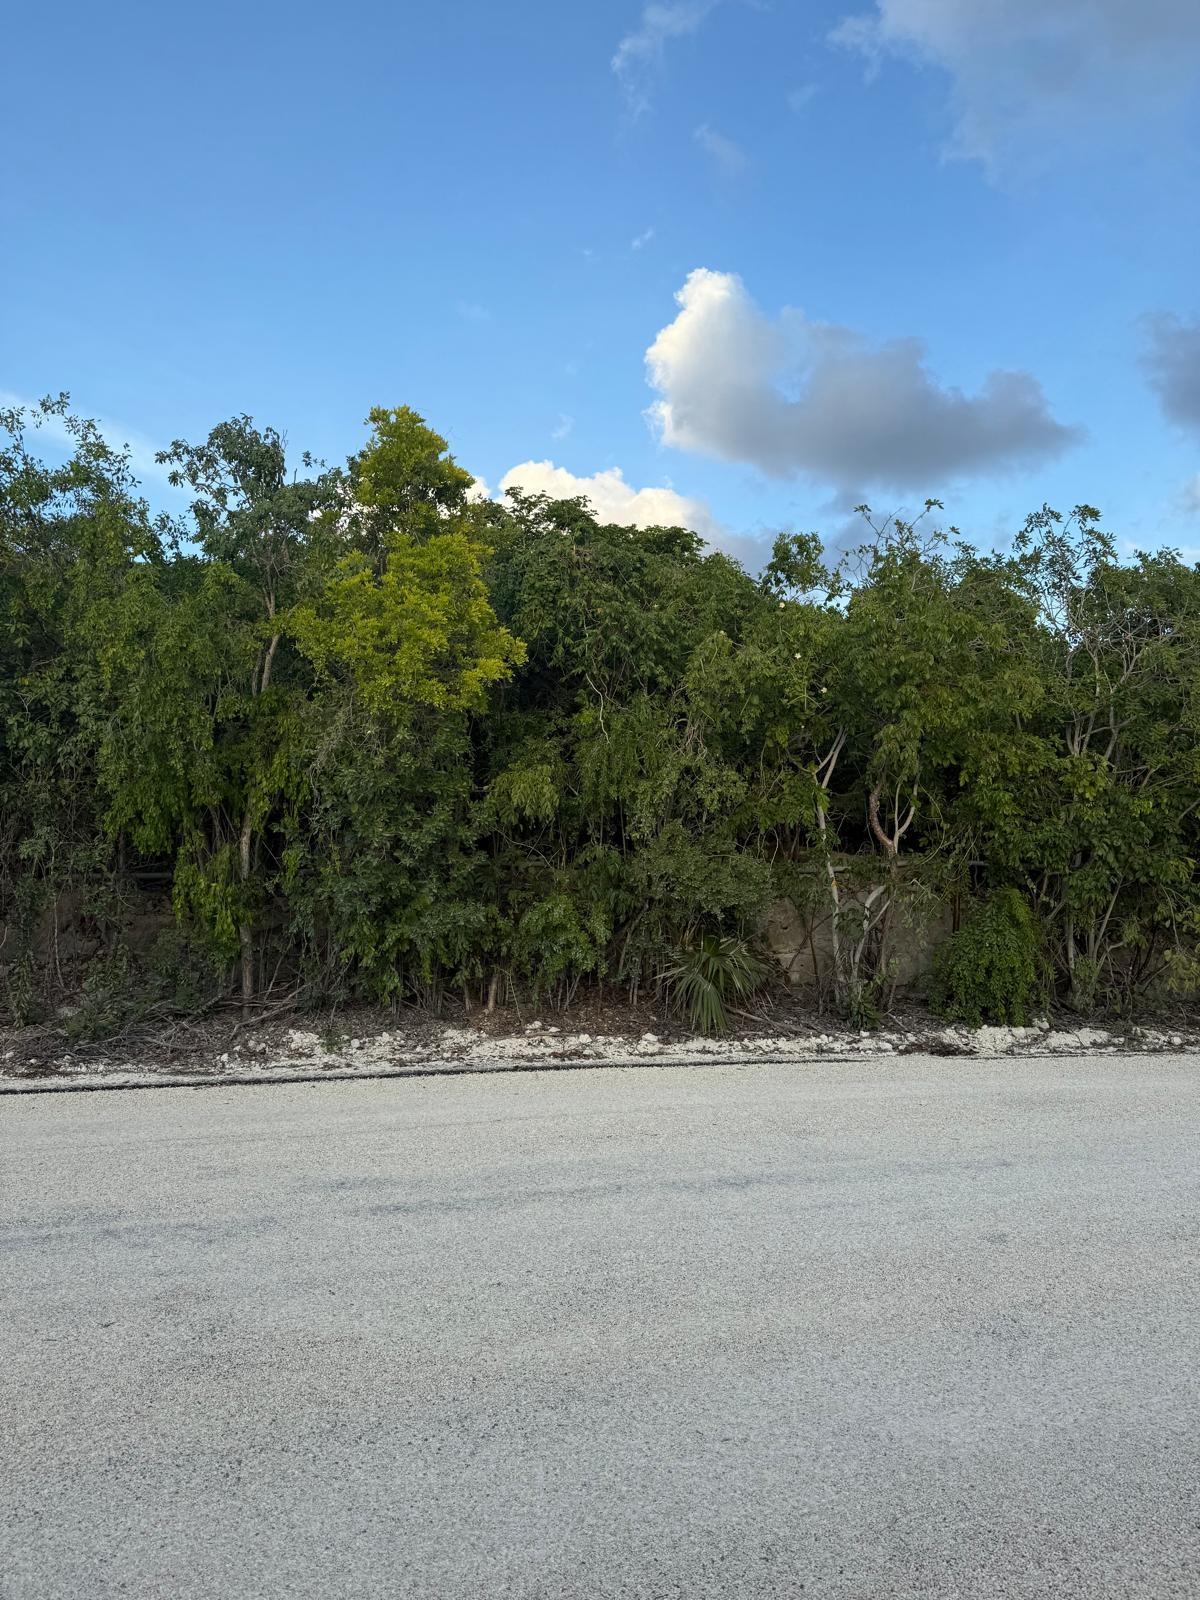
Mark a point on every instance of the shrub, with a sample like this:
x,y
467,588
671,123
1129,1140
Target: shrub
x,y
704,975
121,991
988,970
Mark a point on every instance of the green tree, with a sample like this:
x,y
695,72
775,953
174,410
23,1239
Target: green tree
x,y
404,648
73,537
1103,831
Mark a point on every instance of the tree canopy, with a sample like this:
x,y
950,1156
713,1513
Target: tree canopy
x,y
395,741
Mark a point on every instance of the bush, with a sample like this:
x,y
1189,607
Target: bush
x,y
120,992
988,970
704,975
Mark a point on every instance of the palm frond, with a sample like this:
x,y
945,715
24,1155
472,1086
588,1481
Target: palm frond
x,y
704,975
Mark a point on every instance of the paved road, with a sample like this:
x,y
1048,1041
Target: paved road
x,y
921,1329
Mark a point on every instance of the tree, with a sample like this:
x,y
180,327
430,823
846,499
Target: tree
x,y
288,618
73,537
1104,838
404,648
922,678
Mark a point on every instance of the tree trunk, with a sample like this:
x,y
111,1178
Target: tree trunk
x,y
259,685
245,931
824,776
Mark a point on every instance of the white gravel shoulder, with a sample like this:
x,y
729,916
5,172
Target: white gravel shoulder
x,y
306,1054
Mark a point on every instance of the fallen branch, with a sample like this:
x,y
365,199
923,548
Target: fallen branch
x,y
288,1003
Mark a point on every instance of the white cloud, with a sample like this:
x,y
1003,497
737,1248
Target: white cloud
x,y
800,99
642,240
562,427
801,397
1172,361
1030,74
639,55
728,158
613,500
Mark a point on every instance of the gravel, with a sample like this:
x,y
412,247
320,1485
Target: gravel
x,y
421,1047
901,1328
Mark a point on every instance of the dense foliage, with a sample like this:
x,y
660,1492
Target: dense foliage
x,y
376,738
988,970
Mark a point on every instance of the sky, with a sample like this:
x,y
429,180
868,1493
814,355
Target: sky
x,y
741,264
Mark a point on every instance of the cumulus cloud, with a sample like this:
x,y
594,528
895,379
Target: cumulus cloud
x,y
728,158
1024,71
614,500
794,396
639,55
1172,361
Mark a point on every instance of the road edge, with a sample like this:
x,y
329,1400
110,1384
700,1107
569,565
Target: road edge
x,y
467,1069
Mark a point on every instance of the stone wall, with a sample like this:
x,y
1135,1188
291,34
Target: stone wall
x,y
801,940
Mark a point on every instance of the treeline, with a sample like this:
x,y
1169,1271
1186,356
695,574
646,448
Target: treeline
x,y
382,741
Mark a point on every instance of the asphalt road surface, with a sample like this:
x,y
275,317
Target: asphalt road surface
x,y
917,1328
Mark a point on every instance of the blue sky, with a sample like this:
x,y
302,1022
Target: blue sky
x,y
488,211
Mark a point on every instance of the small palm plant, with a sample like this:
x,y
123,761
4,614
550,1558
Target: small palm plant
x,y
708,972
